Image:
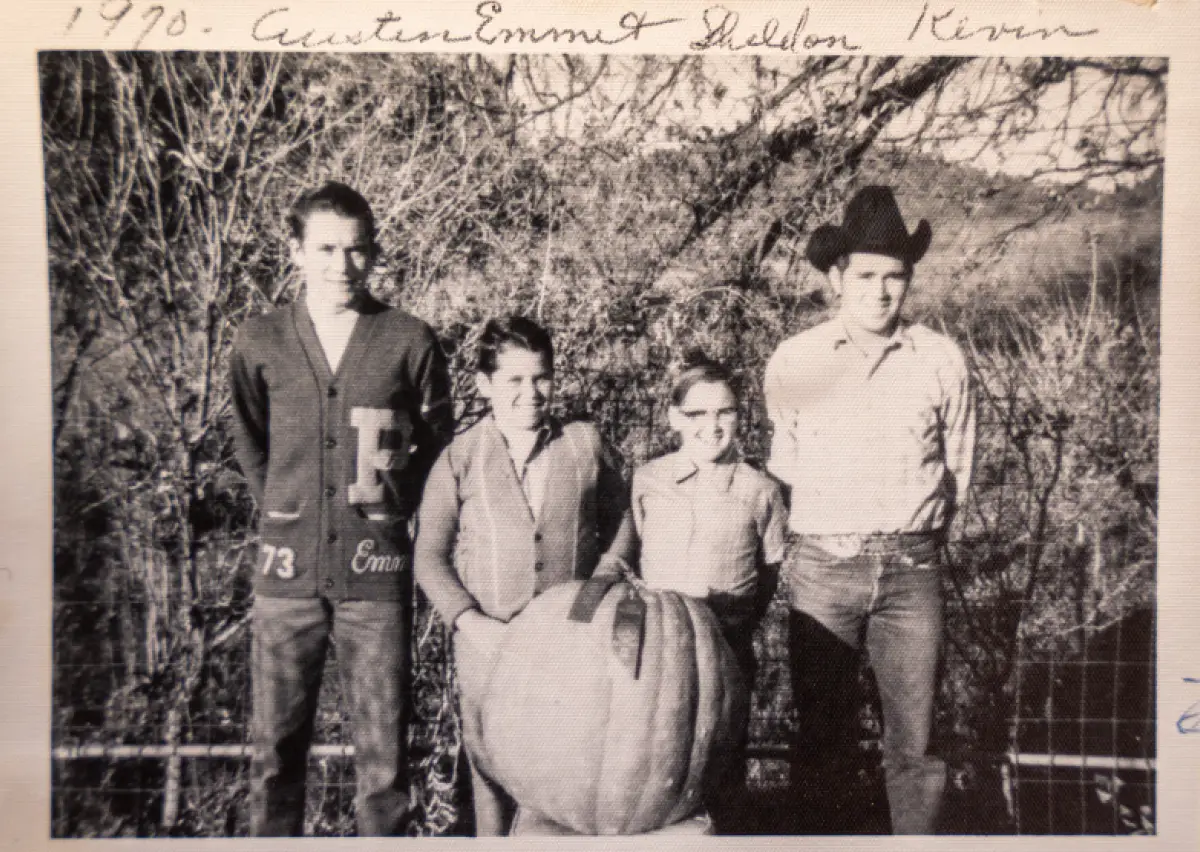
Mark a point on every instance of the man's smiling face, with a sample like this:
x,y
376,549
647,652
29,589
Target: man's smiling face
x,y
873,288
334,256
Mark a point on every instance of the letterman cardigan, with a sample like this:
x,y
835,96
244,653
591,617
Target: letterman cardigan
x,y
478,543
337,460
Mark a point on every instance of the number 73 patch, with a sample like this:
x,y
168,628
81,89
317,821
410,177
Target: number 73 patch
x,y
279,560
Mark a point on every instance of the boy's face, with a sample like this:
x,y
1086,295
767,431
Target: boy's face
x,y
334,257
706,421
520,390
872,287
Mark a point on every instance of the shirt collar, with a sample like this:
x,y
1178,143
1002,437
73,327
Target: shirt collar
x,y
841,335
900,338
363,303
684,469
550,429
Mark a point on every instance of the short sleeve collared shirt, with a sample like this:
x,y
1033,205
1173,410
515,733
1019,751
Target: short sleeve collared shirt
x,y
871,442
706,530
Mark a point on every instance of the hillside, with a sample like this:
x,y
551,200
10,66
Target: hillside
x,y
1007,243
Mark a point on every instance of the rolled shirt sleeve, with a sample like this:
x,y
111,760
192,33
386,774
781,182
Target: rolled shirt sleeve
x,y
959,424
773,527
774,396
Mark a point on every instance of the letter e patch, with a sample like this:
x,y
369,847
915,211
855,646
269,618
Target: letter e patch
x,y
383,439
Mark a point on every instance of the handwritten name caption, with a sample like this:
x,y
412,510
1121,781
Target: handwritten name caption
x,y
715,28
946,24
280,26
723,30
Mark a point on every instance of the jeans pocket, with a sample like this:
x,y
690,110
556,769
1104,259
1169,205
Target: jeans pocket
x,y
924,556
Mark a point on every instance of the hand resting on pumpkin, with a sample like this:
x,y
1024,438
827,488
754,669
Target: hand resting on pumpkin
x,y
482,632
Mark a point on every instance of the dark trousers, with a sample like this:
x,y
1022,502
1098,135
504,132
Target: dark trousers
x,y
726,800
291,637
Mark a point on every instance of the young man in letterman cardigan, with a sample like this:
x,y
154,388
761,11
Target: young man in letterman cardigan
x,y
341,405
516,504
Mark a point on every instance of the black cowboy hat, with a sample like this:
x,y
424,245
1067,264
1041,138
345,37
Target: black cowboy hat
x,y
872,224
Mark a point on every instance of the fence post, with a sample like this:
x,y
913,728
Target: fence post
x,y
174,772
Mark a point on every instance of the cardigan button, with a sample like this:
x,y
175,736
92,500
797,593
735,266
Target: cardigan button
x,y
537,536
331,443
539,566
330,491
332,392
329,582
332,537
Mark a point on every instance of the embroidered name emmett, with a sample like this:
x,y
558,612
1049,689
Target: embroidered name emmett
x,y
366,561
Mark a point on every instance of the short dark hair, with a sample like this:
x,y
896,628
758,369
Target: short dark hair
x,y
517,331
333,197
698,368
843,261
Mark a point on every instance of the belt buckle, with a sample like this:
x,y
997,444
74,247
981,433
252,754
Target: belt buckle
x,y
844,545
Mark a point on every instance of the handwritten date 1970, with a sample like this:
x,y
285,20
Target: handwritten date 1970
x,y
113,12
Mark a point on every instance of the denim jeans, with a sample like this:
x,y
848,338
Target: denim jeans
x,y
888,599
291,637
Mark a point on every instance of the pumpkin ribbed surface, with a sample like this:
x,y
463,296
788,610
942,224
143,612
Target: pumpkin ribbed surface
x,y
569,730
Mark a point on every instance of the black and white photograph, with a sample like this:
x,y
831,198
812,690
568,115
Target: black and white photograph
x,y
457,444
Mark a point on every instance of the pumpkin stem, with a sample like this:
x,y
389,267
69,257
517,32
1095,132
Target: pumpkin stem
x,y
628,574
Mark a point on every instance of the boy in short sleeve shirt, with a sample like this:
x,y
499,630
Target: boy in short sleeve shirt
x,y
708,534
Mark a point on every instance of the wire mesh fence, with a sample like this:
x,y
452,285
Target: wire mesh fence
x,y
1046,706
1084,728
1079,758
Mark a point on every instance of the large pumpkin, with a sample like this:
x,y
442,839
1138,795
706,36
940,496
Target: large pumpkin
x,y
609,723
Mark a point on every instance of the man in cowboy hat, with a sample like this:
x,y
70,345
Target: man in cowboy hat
x,y
874,433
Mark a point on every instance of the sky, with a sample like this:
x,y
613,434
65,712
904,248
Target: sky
x,y
631,102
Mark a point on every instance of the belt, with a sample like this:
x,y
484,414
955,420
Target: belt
x,y
845,545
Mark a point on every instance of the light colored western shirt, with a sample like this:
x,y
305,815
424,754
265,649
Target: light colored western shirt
x,y
875,441
707,529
